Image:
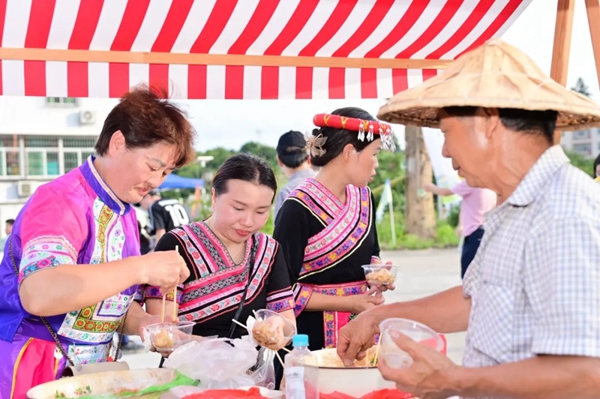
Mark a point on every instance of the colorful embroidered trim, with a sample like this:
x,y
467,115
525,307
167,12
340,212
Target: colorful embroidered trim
x,y
39,255
342,235
366,129
218,283
302,294
280,301
376,260
154,293
333,321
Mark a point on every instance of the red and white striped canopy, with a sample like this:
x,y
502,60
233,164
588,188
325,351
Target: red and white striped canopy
x,y
238,49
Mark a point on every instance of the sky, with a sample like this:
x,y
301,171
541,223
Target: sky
x,y
232,123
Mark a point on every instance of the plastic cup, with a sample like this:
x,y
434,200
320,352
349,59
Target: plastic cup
x,y
380,275
272,330
395,357
166,337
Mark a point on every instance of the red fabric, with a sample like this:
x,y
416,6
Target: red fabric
x,y
252,393
36,366
380,394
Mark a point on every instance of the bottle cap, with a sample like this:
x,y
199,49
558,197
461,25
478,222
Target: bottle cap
x,y
300,340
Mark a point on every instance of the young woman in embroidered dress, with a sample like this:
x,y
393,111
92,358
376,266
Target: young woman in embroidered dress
x,y
228,258
67,286
326,227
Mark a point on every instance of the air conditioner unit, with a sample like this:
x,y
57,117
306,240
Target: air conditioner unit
x,y
24,189
87,117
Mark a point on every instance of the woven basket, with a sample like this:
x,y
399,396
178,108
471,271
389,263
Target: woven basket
x,y
494,75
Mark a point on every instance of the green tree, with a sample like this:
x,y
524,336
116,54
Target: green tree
x,y
581,88
219,155
264,151
583,163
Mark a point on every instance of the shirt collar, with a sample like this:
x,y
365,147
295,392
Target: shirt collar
x,y
303,173
539,175
101,189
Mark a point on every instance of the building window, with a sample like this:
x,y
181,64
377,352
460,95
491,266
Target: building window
x,y
581,135
583,149
41,142
10,164
79,142
52,167
61,101
35,163
42,156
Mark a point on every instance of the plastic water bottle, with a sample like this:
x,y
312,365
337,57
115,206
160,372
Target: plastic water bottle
x,y
301,371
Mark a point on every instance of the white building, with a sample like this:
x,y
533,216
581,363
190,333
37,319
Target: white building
x,y
42,138
584,142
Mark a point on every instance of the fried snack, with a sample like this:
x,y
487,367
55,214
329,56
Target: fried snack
x,y
163,339
268,335
380,277
332,360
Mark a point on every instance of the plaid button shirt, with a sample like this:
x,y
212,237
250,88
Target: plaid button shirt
x,y
535,281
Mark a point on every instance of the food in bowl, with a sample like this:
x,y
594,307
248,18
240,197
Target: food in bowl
x,y
166,337
330,358
272,330
163,340
268,335
381,275
362,379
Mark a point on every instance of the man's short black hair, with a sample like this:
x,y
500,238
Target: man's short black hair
x,y
10,221
291,149
518,120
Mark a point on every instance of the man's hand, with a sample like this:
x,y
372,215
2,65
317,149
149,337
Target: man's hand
x,y
427,377
356,337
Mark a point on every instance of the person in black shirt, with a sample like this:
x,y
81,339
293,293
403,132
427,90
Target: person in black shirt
x,y
165,214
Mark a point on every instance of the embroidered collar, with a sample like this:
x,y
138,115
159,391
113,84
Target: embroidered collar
x,y
101,188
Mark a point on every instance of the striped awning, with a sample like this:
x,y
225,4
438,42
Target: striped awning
x,y
238,49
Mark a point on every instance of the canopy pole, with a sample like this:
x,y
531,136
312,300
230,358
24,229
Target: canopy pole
x,y
593,14
562,46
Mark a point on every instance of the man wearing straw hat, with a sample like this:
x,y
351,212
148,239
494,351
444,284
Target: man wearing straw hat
x,y
530,300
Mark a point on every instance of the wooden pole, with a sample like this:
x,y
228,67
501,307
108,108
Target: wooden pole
x,y
593,14
137,57
562,46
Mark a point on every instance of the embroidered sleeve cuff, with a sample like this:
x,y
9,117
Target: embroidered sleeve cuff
x,y
302,295
376,260
281,300
139,295
44,255
151,292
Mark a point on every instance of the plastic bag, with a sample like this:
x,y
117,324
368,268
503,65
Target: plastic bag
x,y
218,364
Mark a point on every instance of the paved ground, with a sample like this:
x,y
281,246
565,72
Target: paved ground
x,y
421,273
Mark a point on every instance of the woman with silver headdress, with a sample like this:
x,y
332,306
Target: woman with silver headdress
x,y
326,227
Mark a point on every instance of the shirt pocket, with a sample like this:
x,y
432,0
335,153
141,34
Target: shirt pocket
x,y
492,322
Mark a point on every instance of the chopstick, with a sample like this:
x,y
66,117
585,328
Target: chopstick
x,y
280,360
164,307
378,343
164,300
175,293
240,324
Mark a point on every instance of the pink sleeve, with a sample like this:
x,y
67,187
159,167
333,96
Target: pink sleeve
x,y
462,189
52,232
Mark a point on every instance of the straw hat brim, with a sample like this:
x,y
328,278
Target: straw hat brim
x,y
494,75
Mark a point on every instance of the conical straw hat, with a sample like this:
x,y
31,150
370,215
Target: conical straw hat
x,y
494,75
